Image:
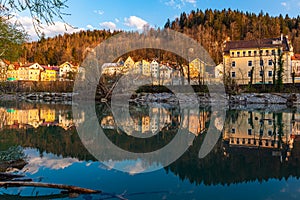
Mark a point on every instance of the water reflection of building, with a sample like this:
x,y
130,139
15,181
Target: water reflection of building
x,y
195,120
159,118
259,129
108,122
35,117
296,124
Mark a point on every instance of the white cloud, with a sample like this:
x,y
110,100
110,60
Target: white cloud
x,y
284,4
137,168
49,31
108,25
180,3
35,162
135,22
117,20
89,26
99,12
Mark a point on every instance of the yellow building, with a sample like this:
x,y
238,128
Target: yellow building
x,y
22,74
12,74
129,63
146,70
296,67
48,115
255,58
197,68
23,117
48,75
257,129
33,74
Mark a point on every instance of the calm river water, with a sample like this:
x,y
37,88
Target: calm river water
x,y
255,156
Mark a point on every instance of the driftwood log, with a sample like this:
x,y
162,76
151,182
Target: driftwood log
x,y
70,189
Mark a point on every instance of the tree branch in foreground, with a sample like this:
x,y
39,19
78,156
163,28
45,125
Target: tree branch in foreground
x,y
70,189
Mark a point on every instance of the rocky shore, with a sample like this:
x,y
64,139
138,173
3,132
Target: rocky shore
x,y
182,98
240,99
47,97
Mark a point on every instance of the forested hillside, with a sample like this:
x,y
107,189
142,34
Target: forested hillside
x,y
69,47
210,27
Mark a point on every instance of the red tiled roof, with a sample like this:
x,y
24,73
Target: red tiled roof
x,y
296,57
263,43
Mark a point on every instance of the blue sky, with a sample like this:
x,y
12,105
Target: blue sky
x,y
133,14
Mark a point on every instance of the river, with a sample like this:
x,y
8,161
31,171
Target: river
x,y
248,153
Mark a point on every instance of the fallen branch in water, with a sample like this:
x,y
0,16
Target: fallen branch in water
x,y
70,189
46,197
8,176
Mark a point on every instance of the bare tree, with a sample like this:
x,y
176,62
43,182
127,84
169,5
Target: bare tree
x,y
41,11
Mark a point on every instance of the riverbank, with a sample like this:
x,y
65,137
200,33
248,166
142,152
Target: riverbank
x,y
240,99
46,97
190,98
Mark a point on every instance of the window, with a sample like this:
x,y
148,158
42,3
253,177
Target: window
x,y
249,131
249,74
244,53
270,133
261,73
261,52
270,122
270,62
233,74
261,62
233,64
267,52
255,53
233,130
273,52
249,53
250,63
238,54
232,54
270,73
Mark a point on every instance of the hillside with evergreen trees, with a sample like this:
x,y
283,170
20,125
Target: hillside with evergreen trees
x,y
68,47
210,27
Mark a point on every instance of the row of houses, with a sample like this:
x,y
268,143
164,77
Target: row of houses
x,y
36,117
159,71
244,61
192,120
35,72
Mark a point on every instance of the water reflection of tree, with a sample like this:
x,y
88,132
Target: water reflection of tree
x,y
46,139
229,164
13,157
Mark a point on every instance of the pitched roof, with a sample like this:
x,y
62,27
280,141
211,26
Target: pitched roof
x,y
263,43
296,57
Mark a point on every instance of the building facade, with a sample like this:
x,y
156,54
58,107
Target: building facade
x,y
296,67
253,61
